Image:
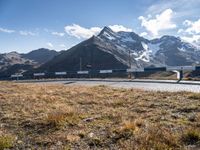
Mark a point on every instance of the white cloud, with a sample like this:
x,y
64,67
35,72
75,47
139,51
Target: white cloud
x,y
192,39
191,31
50,45
6,30
184,8
161,22
81,32
187,23
143,34
58,34
180,31
117,28
192,27
63,46
26,33
85,33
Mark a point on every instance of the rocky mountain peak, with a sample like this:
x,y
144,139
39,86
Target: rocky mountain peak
x,y
106,30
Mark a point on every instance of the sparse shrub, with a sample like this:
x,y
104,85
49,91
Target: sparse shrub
x,y
6,142
95,142
191,137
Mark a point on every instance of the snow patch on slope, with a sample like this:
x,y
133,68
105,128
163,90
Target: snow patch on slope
x,y
127,39
144,56
182,49
145,46
108,36
154,48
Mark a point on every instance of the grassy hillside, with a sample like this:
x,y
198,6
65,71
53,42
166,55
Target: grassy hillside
x,y
38,116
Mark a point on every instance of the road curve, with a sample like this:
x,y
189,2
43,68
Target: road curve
x,y
150,85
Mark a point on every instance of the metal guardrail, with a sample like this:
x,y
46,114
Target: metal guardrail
x,y
177,69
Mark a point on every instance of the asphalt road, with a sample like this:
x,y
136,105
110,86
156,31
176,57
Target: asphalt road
x,y
152,85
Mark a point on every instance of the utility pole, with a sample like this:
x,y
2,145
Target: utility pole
x,y
129,59
80,64
130,74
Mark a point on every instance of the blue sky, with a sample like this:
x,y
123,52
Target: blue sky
x,y
59,24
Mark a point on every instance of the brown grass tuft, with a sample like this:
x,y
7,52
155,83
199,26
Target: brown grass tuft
x,y
60,117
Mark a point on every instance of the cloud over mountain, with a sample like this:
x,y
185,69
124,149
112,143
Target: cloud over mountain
x,y
190,31
50,45
160,22
84,33
81,32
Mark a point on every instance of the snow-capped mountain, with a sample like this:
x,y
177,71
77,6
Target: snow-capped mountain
x,y
165,51
111,50
133,47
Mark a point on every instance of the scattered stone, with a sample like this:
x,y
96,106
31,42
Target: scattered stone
x,y
175,116
91,135
2,125
19,142
59,143
163,118
192,118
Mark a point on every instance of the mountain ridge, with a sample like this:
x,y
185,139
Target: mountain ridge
x,y
109,50
14,62
129,49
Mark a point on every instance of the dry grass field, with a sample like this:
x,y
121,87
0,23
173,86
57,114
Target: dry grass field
x,y
38,116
